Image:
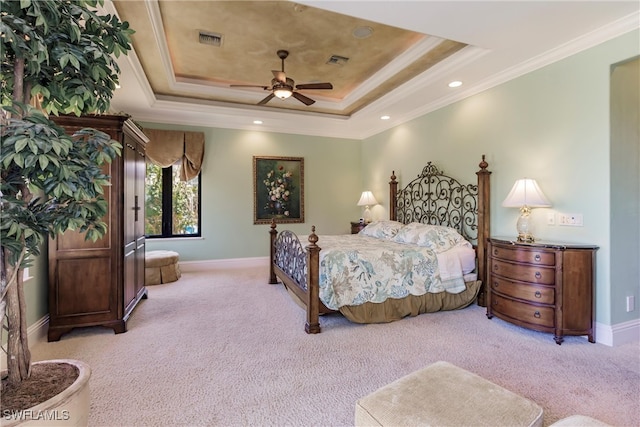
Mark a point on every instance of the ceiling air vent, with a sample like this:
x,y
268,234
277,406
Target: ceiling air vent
x,y
337,60
213,39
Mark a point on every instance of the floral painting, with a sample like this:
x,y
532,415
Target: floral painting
x,y
278,189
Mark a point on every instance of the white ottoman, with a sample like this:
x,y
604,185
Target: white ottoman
x,y
161,267
579,421
444,395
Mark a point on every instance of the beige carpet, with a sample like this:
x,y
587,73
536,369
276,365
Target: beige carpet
x,y
224,348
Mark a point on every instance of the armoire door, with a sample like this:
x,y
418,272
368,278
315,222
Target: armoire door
x,y
130,157
139,217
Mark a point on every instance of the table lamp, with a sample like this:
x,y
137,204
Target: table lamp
x,y
525,194
367,199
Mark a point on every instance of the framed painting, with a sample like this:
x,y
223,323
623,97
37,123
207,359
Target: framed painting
x,y
278,189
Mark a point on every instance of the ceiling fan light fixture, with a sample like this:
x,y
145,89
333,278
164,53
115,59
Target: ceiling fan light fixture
x,y
282,93
283,87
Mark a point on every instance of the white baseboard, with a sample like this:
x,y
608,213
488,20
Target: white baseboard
x,y
618,334
35,333
191,266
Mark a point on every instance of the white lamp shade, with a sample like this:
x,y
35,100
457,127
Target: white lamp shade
x,y
526,192
367,199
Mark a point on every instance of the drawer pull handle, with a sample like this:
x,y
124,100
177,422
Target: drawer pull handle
x,y
536,314
538,275
495,252
495,267
537,257
538,294
495,284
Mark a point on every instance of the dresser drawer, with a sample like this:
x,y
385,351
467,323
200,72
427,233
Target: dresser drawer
x,y
533,293
538,257
541,316
524,273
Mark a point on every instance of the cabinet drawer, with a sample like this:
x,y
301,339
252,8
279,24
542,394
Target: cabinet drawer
x,y
542,316
524,273
522,255
533,293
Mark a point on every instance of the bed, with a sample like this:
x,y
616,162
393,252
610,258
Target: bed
x,y
429,256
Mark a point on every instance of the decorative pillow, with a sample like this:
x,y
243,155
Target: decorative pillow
x,y
436,237
381,229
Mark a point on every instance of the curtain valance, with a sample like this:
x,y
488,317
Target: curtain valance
x,y
166,147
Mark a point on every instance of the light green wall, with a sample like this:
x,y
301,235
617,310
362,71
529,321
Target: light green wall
x,y
551,125
331,189
33,288
625,187
35,292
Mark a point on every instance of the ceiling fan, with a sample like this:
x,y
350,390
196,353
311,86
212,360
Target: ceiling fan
x,y
283,87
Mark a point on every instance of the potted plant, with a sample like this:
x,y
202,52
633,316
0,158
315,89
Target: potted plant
x,y
57,58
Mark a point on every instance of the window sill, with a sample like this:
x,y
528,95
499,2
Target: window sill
x,y
165,239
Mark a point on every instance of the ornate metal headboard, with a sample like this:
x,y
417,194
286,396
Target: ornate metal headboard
x,y
437,199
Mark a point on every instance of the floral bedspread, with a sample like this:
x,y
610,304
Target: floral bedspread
x,y
355,269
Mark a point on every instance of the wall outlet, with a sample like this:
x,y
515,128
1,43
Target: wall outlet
x,y
631,303
574,220
551,218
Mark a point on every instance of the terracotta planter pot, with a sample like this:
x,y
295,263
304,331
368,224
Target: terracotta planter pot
x,y
69,408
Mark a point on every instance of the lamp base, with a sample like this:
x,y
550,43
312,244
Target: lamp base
x,y
523,225
367,215
525,238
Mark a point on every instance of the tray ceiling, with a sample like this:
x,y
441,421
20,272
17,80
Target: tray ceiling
x,y
323,47
390,58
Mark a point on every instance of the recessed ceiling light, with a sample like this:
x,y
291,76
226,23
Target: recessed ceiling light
x,y
257,122
362,32
385,117
455,83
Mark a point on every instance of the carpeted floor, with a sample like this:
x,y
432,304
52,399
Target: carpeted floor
x,y
224,348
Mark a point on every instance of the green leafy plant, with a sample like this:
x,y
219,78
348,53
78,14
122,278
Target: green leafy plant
x,y
59,57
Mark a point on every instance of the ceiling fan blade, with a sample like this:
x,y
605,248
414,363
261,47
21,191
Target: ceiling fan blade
x,y
300,97
267,99
263,87
315,86
280,76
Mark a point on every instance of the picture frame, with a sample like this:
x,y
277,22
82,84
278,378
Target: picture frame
x,y
278,189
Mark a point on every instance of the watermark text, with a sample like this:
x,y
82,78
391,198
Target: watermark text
x,y
32,415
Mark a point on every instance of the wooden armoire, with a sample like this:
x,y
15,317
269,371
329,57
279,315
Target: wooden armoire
x,y
100,283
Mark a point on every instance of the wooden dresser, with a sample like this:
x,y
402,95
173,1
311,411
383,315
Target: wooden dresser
x,y
100,283
545,286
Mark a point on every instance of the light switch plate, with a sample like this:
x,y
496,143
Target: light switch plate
x,y
573,220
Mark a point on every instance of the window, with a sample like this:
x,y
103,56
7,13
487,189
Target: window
x,y
172,206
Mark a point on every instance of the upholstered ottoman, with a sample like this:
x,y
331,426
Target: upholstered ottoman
x,y
579,421
444,395
161,267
